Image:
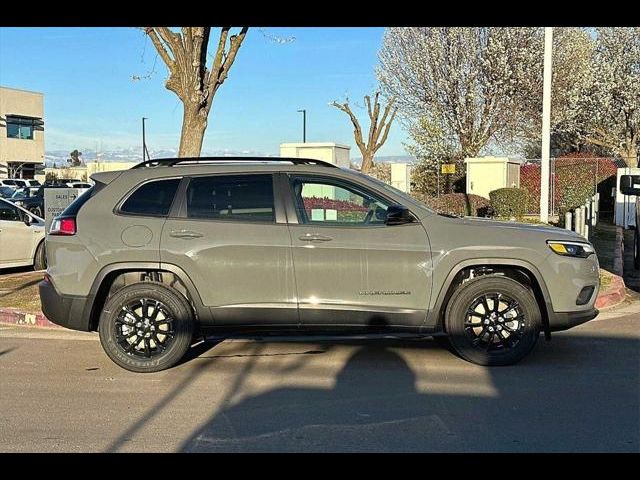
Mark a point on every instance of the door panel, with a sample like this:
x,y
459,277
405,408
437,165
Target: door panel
x,y
16,238
239,260
350,267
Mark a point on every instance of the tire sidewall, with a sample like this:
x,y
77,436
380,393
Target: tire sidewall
x,y
183,326
456,313
40,257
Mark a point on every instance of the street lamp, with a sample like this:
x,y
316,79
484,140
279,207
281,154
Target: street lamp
x,y
304,125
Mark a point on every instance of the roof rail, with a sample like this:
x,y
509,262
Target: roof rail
x,y
170,162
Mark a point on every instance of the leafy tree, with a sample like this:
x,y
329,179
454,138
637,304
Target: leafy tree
x,y
611,102
74,158
466,81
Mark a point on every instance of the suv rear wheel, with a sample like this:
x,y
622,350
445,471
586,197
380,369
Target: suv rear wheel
x,y
493,320
146,327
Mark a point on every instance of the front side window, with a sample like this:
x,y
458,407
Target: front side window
x,y
329,202
9,212
20,128
151,199
246,198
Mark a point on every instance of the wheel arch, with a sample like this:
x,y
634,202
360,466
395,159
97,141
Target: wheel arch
x,y
519,270
104,283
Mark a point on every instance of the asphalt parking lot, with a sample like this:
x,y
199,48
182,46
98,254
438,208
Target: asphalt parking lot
x,y
580,392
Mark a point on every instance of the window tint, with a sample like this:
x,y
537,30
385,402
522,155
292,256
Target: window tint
x,y
152,198
9,212
328,202
231,197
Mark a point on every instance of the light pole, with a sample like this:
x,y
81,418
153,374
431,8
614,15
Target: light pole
x,y
546,126
304,125
144,141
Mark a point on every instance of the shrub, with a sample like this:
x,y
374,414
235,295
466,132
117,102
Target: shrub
x,y
456,203
510,202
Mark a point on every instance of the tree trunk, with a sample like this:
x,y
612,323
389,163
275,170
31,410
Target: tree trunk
x,y
631,156
194,124
367,162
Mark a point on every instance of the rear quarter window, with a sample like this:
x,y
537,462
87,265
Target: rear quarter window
x,y
152,198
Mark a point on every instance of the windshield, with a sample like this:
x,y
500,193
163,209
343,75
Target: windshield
x,y
6,192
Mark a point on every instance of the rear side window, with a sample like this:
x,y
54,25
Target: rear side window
x,y
152,198
246,198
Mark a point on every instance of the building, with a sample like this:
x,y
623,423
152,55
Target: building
x,y
486,174
84,172
21,133
327,151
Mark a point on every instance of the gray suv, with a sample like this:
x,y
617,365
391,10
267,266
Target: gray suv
x,y
171,250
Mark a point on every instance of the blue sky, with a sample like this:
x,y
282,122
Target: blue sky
x,y
86,76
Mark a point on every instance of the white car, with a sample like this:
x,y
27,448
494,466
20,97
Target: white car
x,y
8,182
21,237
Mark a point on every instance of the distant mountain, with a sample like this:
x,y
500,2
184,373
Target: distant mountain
x,y
389,159
59,157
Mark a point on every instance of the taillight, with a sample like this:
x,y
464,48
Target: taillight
x,y
63,226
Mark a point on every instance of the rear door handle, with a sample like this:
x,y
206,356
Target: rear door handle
x,y
185,234
314,237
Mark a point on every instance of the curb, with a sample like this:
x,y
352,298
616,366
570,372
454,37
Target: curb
x,y
13,316
615,294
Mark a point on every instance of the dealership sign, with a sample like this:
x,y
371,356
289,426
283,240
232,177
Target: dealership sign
x,y
56,200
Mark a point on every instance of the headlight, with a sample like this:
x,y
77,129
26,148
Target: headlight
x,y
571,249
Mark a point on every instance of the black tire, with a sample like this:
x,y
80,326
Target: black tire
x,y
40,257
123,319
36,211
636,250
479,336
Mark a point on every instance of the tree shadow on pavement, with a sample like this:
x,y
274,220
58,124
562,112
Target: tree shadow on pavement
x,y
578,393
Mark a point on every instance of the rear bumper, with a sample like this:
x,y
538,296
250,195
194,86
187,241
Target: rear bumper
x,y
567,320
65,310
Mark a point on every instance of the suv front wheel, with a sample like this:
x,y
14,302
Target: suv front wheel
x,y
493,320
146,327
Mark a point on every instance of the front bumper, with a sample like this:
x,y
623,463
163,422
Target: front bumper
x,y
65,310
567,320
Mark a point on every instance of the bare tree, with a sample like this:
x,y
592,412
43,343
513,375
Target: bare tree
x,y
185,55
378,128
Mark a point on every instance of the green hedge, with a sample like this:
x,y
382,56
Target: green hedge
x,y
510,202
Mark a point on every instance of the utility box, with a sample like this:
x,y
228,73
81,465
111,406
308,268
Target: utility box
x,y
625,209
326,151
401,176
486,174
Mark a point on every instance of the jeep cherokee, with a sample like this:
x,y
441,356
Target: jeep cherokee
x,y
173,249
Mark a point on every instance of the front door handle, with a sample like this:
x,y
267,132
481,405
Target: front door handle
x,y
185,234
314,237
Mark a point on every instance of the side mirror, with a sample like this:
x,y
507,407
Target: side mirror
x,y
398,215
630,184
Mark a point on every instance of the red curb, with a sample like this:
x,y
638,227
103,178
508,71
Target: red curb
x,y
13,316
614,295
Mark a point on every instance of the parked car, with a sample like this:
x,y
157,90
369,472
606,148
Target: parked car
x,y
630,185
8,182
178,248
35,202
24,192
6,191
21,237
33,183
